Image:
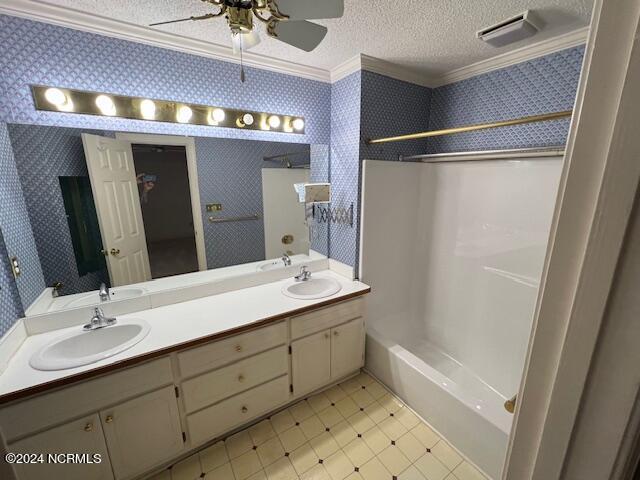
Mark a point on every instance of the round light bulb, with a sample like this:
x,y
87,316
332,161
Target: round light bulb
x,y
298,124
55,96
184,114
218,115
247,118
106,105
148,109
274,121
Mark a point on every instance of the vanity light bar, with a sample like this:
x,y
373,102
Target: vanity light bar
x,y
54,99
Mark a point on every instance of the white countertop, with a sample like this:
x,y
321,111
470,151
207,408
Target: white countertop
x,y
173,325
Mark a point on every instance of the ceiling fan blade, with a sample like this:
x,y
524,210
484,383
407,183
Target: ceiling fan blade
x,y
201,17
249,40
311,9
301,34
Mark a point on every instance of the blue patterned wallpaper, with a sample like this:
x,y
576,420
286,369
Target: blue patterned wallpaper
x,y
16,226
345,162
541,85
42,154
10,305
38,53
230,173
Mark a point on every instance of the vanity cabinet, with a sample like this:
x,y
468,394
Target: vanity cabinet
x,y
311,362
142,432
330,354
82,436
143,417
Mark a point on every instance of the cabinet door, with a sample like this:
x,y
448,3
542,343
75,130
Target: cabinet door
x,y
311,362
143,432
82,436
347,348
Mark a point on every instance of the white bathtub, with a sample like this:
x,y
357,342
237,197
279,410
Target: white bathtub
x,y
456,403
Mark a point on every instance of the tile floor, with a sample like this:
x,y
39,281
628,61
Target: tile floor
x,y
353,431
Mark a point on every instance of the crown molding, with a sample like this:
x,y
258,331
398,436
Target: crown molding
x,y
70,18
75,19
382,67
529,52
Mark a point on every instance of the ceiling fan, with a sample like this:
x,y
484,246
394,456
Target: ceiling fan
x,y
285,20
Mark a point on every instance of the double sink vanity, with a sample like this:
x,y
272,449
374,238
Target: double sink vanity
x,y
157,384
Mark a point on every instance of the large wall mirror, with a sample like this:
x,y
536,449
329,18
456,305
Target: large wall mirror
x,y
125,209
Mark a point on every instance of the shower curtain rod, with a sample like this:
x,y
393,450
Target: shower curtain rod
x,y
472,128
507,154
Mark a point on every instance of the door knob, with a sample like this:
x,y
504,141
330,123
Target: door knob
x,y
115,252
510,405
104,252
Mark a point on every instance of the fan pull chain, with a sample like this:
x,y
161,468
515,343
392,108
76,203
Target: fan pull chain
x,y
242,76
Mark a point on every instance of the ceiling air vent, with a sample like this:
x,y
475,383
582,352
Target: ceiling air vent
x,y
509,31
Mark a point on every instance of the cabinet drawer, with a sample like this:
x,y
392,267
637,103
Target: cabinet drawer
x,y
221,352
235,411
212,387
325,318
61,405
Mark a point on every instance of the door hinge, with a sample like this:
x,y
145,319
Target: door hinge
x,y
290,350
177,390
291,387
184,437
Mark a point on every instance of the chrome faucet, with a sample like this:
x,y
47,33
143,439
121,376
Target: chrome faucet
x,y
286,259
304,274
104,293
99,320
55,289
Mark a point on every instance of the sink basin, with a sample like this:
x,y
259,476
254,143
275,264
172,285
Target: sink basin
x,y
314,288
92,298
267,267
85,347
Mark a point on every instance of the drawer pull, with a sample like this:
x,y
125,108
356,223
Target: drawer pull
x,y
241,378
326,335
244,409
238,348
109,419
88,427
336,333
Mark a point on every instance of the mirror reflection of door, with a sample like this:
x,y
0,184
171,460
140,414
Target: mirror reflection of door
x,y
113,180
285,228
165,198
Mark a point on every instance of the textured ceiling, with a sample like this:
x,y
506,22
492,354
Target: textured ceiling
x,y
429,36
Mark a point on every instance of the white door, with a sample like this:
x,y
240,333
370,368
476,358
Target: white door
x,y
347,348
115,192
311,362
283,214
143,432
82,436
